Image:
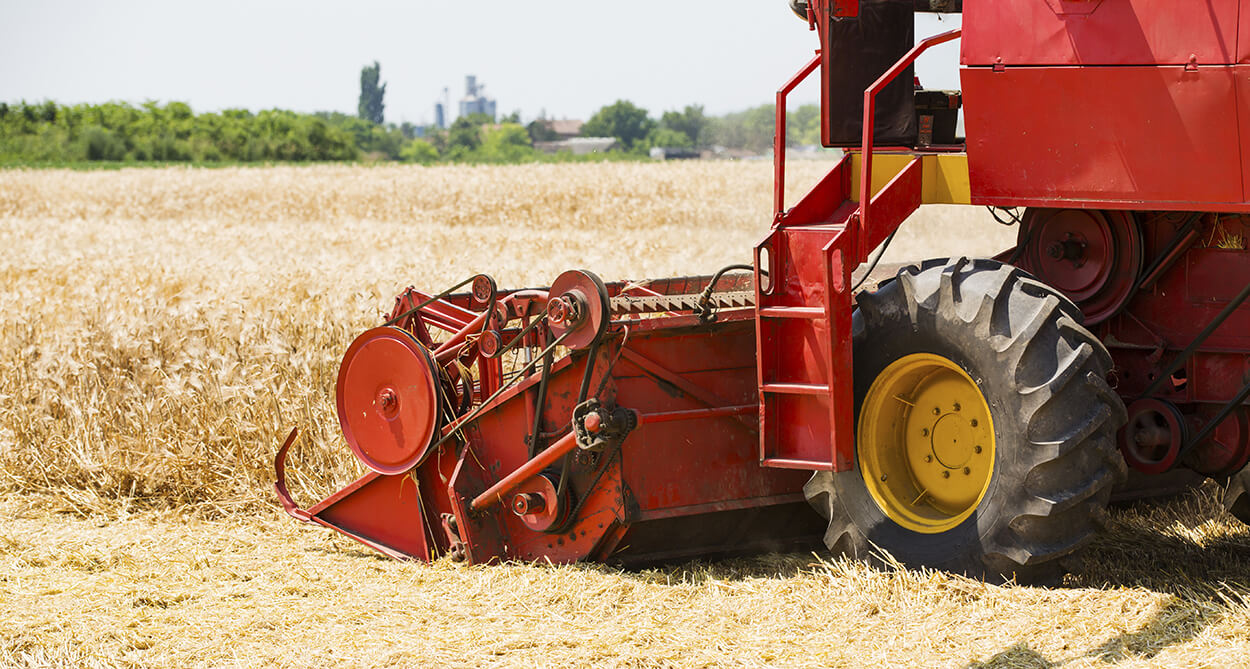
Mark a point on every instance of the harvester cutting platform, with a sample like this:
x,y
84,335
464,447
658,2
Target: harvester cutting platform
x,y
966,414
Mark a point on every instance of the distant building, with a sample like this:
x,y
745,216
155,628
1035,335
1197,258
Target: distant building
x,y
474,102
440,116
564,129
578,146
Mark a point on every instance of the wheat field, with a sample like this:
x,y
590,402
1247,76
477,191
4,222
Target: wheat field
x,y
164,328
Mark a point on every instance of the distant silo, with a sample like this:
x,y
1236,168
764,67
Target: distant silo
x,y
474,102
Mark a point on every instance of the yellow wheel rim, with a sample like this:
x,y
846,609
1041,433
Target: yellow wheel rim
x,y
926,443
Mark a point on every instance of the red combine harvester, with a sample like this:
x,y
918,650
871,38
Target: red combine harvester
x,y
965,414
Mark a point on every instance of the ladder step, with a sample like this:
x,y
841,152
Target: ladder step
x,y
795,388
793,312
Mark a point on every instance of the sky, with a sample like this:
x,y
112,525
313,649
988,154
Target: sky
x,y
564,57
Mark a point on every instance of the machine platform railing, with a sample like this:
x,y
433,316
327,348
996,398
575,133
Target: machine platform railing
x,y
860,222
779,136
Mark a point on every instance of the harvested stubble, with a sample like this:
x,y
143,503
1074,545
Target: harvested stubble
x,y
164,328
165,589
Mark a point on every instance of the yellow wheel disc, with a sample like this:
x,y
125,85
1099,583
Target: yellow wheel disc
x,y
926,443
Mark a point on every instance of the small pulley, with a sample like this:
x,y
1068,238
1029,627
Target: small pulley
x,y
1154,437
539,504
388,397
578,307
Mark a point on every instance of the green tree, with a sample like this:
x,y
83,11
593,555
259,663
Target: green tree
x,y
669,139
370,106
465,135
690,121
419,151
803,126
751,129
623,120
508,143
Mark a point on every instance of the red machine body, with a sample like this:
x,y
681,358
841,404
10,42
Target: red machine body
x,y
682,417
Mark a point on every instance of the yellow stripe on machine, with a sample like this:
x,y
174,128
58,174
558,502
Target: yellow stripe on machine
x,y
944,176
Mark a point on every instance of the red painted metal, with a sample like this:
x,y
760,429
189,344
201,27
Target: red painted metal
x,y
388,399
531,468
1192,267
691,414
1228,448
1103,137
539,504
803,318
1109,32
279,469
779,134
578,307
1241,104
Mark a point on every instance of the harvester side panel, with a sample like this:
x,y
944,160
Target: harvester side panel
x,y
1105,137
1101,32
665,468
1241,75
1243,37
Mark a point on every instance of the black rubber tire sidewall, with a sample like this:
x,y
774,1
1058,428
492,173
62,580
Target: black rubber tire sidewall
x,y
957,549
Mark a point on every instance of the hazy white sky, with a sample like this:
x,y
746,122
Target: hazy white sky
x,y
565,56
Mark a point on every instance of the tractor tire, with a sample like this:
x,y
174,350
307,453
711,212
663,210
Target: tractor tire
x,y
1237,495
1014,347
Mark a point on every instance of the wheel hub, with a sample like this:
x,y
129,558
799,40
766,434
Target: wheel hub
x,y
952,441
926,443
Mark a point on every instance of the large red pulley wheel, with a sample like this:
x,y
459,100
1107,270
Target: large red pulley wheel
x,y
578,308
388,397
1093,257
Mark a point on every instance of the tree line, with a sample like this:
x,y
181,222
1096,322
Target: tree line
x,y
51,133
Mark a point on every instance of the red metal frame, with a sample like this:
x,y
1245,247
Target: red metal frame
x,y
779,134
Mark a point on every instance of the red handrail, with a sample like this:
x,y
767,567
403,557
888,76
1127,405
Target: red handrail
x,y
779,136
870,104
